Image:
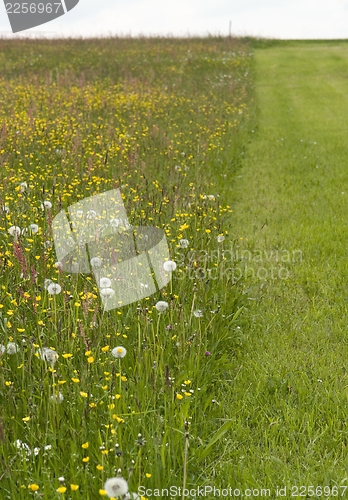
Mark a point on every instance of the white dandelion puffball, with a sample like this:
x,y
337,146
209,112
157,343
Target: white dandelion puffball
x,y
96,262
184,243
198,313
33,228
116,487
48,244
14,231
104,283
46,204
119,352
161,306
54,288
2,348
170,265
23,186
12,348
220,238
107,292
49,355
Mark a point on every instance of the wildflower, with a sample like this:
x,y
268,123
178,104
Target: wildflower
x,y
48,447
49,355
74,487
48,244
46,204
2,349
33,487
6,208
90,359
116,487
12,348
170,265
54,289
161,306
207,353
169,327
140,441
198,313
36,451
33,228
179,396
119,352
107,292
85,445
23,186
14,231
148,475
61,489
96,262
105,283
183,243
220,238
211,197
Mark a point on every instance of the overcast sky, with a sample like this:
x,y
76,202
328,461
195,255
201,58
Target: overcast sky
x,y
266,18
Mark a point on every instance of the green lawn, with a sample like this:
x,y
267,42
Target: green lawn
x,y
290,391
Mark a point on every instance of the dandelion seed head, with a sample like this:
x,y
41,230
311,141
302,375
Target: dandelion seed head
x,y
116,487
161,305
119,352
170,265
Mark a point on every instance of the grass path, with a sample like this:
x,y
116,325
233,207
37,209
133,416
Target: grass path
x,y
291,389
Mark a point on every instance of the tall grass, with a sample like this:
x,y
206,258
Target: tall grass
x,y
165,122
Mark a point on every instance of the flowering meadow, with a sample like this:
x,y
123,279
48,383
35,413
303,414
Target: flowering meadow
x,y
99,403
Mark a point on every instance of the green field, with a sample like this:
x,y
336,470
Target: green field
x,y
290,206
237,149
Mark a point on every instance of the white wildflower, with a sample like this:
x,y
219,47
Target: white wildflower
x,y
170,265
116,487
107,292
220,238
119,352
54,288
46,204
14,231
198,313
105,283
49,355
33,228
96,262
161,306
183,243
12,348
